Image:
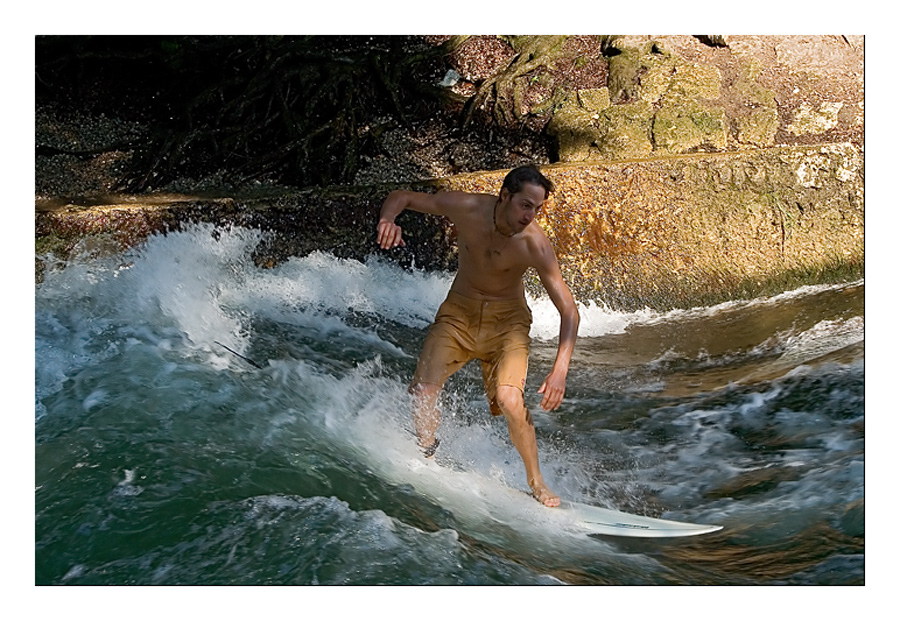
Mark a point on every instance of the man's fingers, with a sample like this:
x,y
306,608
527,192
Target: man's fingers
x,y
547,400
390,236
553,396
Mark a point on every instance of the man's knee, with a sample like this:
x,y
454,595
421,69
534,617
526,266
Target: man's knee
x,y
511,402
424,390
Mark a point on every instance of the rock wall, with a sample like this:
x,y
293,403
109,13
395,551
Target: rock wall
x,y
687,230
661,232
675,95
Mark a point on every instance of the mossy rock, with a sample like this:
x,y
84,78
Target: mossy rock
x,y
683,129
575,124
594,99
808,120
690,82
758,128
625,131
640,73
644,76
616,132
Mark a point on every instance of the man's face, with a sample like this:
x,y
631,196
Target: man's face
x,y
522,207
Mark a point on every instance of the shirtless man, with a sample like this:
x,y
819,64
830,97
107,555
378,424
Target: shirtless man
x,y
485,315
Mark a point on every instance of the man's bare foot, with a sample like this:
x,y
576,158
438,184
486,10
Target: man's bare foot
x,y
543,495
429,450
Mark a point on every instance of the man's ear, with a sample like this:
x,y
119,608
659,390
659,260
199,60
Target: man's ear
x,y
504,194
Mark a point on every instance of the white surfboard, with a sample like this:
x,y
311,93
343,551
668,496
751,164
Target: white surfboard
x,y
514,507
481,502
618,523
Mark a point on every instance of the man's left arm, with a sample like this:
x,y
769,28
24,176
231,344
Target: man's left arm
x,y
554,386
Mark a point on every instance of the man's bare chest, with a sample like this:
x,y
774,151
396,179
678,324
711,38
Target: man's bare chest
x,y
493,254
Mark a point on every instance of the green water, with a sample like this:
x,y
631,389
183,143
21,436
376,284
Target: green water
x,y
161,458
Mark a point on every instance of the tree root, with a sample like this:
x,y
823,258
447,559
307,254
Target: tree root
x,y
533,52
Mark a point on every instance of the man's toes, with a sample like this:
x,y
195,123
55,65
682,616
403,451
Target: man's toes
x,y
546,498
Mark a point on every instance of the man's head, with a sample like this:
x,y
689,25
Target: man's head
x,y
523,192
518,177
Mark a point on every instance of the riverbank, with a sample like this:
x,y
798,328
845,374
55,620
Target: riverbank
x,y
664,232
689,169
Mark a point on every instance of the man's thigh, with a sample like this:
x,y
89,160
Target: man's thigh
x,y
442,355
508,367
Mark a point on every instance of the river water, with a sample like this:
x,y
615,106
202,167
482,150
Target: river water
x,y
200,421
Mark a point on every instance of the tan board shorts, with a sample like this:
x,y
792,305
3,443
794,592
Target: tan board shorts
x,y
465,329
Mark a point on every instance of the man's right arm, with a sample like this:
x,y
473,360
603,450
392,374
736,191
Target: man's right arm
x,y
441,204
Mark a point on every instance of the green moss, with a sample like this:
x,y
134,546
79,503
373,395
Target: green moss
x,y
682,129
758,128
835,270
723,285
54,245
655,79
625,131
759,124
640,74
623,70
690,82
574,129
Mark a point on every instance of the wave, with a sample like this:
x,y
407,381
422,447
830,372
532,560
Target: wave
x,y
202,287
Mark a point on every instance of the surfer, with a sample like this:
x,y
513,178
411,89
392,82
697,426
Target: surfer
x,y
485,315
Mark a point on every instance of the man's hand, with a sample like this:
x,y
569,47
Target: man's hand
x,y
553,389
389,235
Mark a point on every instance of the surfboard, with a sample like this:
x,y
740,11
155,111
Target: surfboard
x,y
602,521
514,507
481,501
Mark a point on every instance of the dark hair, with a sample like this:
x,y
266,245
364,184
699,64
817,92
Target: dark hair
x,y
518,177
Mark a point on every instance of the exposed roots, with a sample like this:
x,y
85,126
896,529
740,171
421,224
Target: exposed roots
x,y
290,109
